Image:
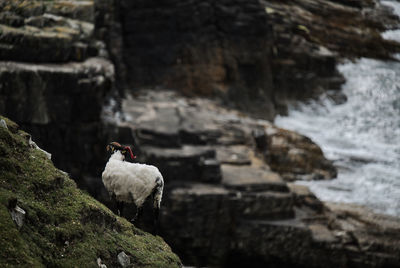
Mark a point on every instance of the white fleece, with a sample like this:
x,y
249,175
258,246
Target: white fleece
x,y
131,182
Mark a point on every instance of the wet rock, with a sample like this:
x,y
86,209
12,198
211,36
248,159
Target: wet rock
x,y
296,157
123,259
305,198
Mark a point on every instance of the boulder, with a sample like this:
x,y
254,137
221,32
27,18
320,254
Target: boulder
x,y
297,157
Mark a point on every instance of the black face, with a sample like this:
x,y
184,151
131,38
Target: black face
x,y
114,147
125,150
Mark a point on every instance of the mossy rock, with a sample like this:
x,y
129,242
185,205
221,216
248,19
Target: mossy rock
x,y
63,227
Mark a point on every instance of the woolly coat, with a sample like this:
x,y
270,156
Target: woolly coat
x,y
132,182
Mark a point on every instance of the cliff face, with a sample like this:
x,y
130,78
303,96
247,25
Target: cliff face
x,y
256,55
55,70
228,198
228,201
55,77
47,221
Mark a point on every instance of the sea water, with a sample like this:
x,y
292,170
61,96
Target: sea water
x,y
361,136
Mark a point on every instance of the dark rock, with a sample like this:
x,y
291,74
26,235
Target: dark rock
x,y
60,40
210,171
198,48
260,138
12,203
61,105
252,179
12,19
153,137
198,216
229,205
189,163
297,157
254,56
265,205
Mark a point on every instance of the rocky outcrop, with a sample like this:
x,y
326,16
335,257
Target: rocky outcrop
x,y
54,79
296,157
46,31
313,36
256,55
47,221
61,104
227,201
200,47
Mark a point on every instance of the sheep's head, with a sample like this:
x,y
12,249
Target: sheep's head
x,y
115,146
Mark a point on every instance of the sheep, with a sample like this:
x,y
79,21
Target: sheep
x,y
132,182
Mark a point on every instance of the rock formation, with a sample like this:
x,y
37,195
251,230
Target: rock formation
x,y
227,201
54,78
256,55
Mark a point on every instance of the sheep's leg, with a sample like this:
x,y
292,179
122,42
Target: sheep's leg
x,y
120,208
157,193
120,205
139,212
156,212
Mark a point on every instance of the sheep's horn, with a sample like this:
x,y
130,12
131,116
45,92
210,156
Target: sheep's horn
x,y
130,151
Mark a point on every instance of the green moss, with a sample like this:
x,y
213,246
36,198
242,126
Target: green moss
x,y
63,227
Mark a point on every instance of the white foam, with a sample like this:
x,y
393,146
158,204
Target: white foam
x,y
362,136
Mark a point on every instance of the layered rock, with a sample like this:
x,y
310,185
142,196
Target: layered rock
x,y
54,77
46,31
227,201
61,104
313,36
257,55
200,47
